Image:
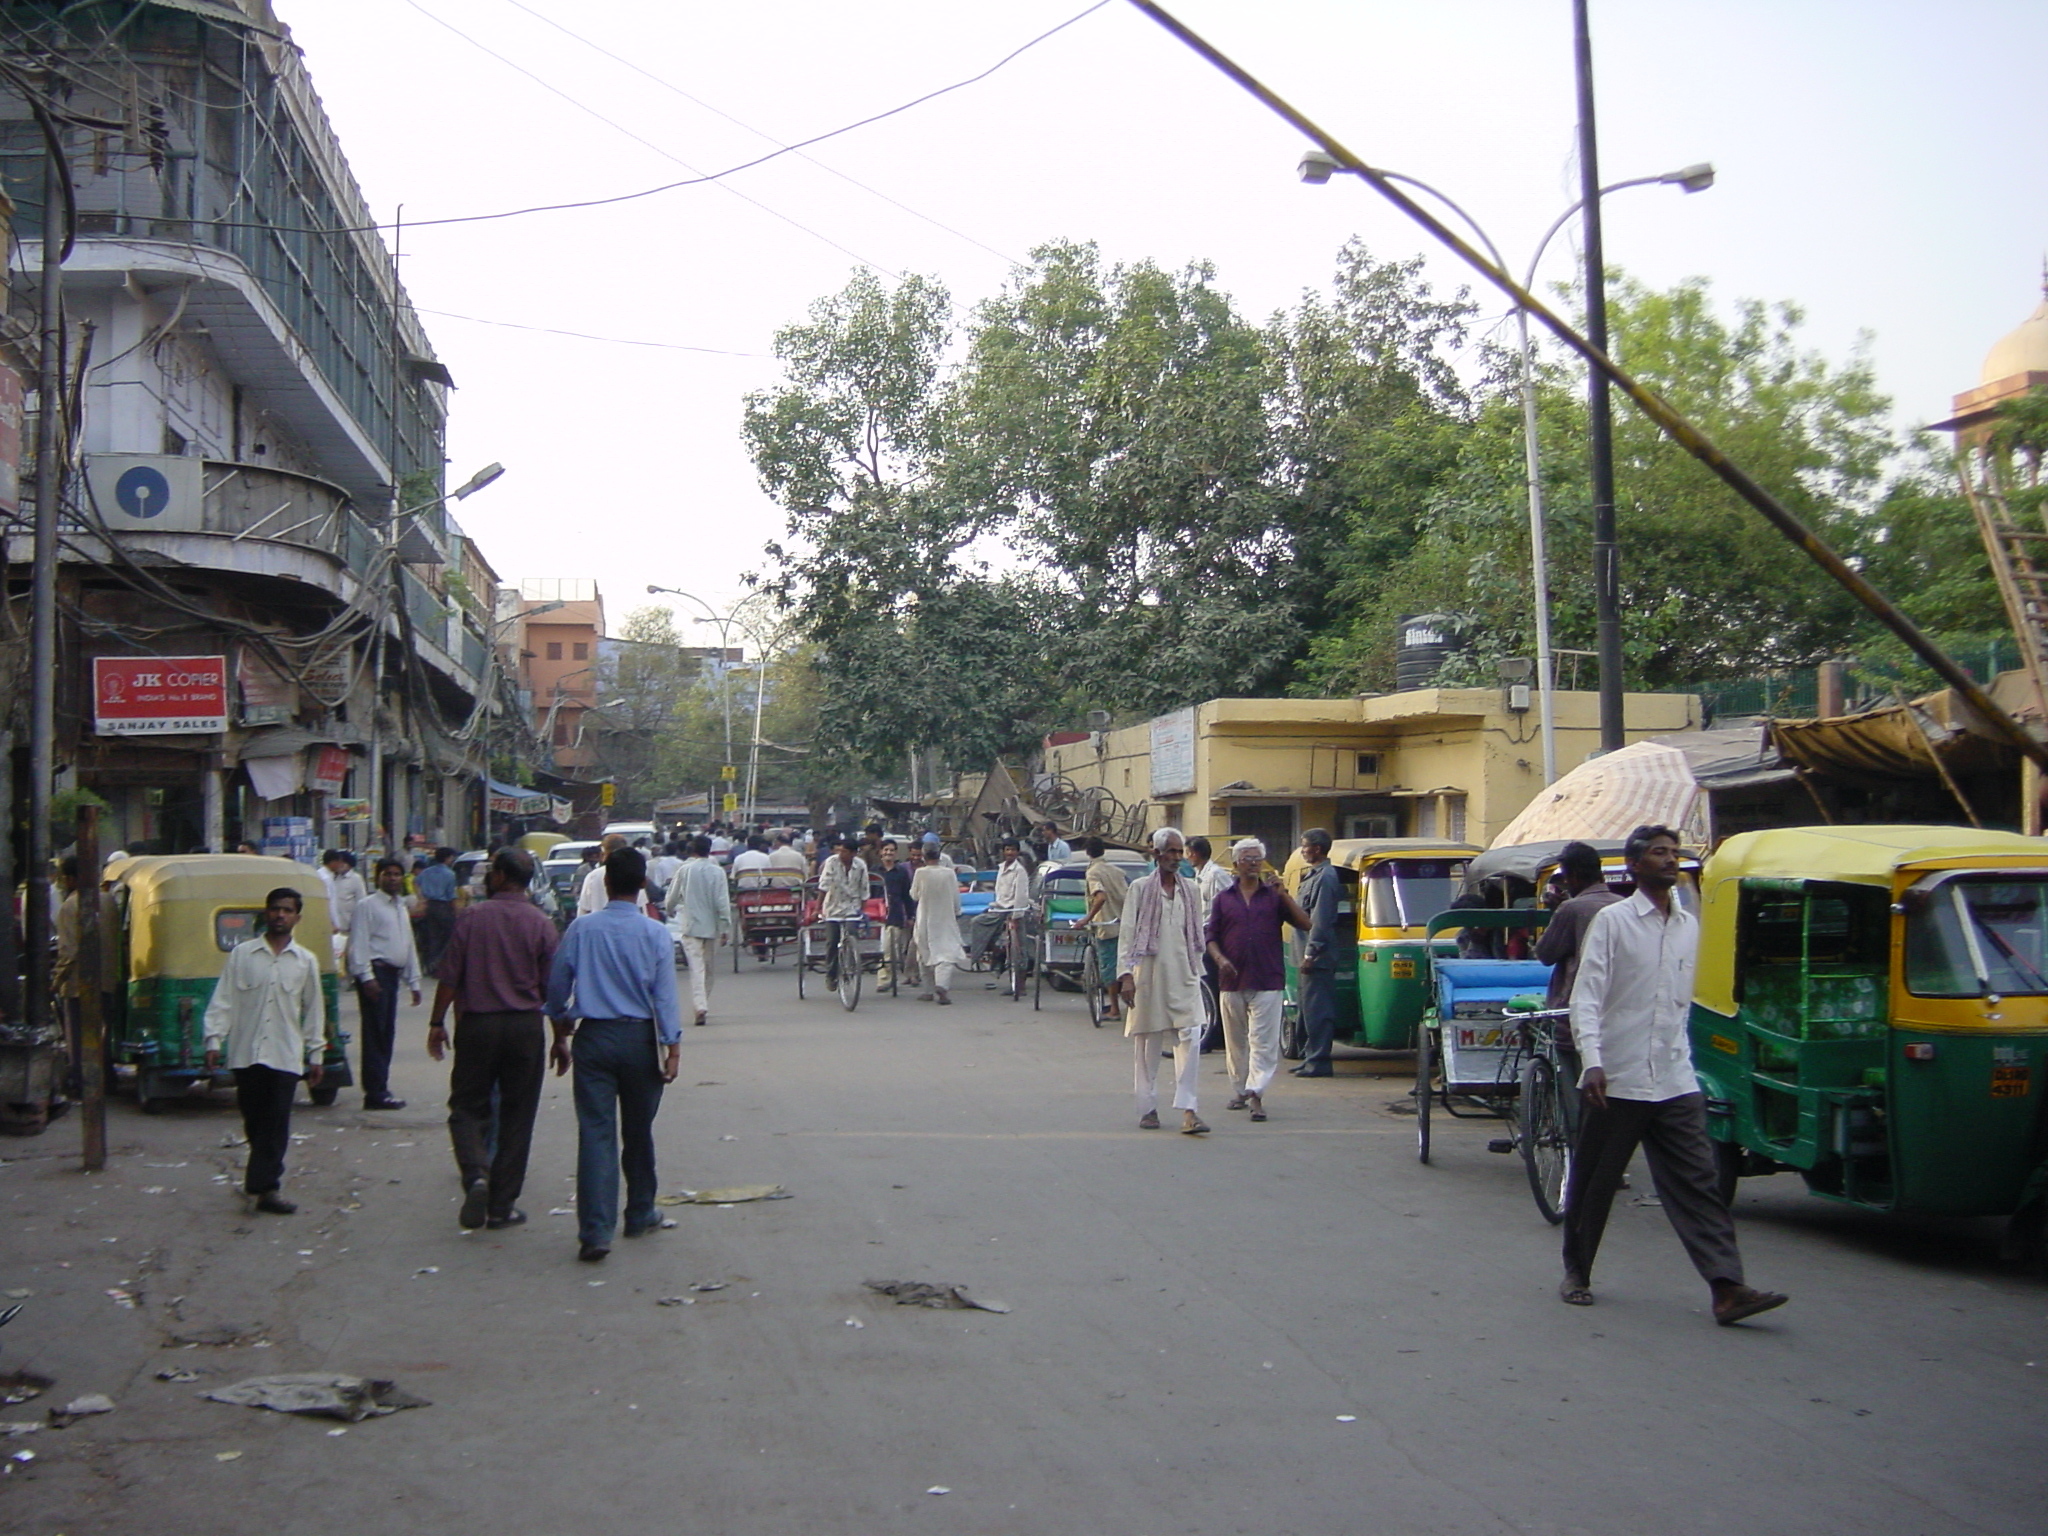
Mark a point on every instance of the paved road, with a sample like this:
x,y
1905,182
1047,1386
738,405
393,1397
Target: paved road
x,y
1281,1328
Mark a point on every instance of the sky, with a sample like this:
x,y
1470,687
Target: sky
x,y
1881,166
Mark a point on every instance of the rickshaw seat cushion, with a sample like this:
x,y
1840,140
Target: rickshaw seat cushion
x,y
1487,980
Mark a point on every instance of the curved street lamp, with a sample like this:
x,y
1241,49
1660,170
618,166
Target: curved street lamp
x,y
1316,168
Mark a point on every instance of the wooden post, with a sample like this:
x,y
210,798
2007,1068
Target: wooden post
x,y
85,975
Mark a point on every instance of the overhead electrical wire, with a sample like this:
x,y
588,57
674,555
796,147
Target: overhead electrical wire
x,y
621,341
669,85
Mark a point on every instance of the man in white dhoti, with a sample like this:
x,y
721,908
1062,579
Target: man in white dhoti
x,y
1159,977
935,890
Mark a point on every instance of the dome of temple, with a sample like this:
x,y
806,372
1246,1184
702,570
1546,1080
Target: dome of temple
x,y
2022,350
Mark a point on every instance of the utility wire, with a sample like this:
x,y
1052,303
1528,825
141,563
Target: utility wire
x,y
619,341
614,123
699,101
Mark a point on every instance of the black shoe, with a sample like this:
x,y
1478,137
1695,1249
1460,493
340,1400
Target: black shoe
x,y
513,1218
476,1204
274,1203
387,1102
591,1253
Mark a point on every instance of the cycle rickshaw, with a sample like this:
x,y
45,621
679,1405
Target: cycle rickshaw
x,y
1067,955
767,909
858,943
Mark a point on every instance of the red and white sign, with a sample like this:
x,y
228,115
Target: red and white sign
x,y
155,695
329,769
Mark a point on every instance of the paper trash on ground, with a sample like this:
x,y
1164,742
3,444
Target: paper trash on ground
x,y
739,1194
916,1293
336,1397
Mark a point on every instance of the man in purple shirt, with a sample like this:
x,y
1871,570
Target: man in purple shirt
x,y
495,973
1247,932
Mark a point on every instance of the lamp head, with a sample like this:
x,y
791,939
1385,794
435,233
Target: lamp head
x,y
1317,166
477,481
1693,178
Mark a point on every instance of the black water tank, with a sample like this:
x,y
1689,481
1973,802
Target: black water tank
x,y
1422,644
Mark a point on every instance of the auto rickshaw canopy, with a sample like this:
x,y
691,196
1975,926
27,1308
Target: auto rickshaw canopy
x,y
172,899
1888,857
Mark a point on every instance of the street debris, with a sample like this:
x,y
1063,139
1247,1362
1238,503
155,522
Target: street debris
x,y
19,1293
1347,1418
174,1373
9,1428
938,1488
854,1322
431,1269
227,1336
916,1293
677,1301
739,1194
227,1455
122,1299
80,1408
563,1210
719,1285
20,1386
334,1397
23,1456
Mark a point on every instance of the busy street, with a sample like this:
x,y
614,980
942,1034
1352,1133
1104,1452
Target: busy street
x,y
1285,1327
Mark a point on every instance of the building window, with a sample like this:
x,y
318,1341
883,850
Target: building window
x,y
554,650
582,651
1454,818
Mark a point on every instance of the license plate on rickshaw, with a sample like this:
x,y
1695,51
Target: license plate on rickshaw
x,y
1472,1037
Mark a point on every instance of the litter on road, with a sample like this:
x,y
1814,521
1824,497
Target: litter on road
x,y
739,1194
81,1408
9,1428
174,1373
916,1293
335,1397
20,1386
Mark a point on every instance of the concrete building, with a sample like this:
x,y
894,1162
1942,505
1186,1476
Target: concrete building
x,y
1431,762
252,488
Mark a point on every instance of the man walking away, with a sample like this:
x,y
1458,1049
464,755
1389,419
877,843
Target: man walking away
x,y
436,884
700,915
1629,1007
1247,933
1211,880
495,974
612,999
1319,893
382,958
591,895
935,924
269,1020
1159,977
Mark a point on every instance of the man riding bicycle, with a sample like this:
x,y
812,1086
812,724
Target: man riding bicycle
x,y
1011,902
842,899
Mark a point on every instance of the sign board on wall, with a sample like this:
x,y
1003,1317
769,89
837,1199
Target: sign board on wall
x,y
327,769
146,493
159,695
348,811
1173,754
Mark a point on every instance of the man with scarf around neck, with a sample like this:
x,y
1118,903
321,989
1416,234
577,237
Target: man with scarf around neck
x,y
1159,978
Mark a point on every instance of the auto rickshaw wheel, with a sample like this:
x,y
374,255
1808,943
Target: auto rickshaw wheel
x,y
1423,1072
1293,1035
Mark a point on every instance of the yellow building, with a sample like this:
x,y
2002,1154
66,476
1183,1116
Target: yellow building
x,y
1433,762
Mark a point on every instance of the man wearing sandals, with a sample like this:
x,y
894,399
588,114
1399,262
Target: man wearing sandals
x,y
1629,1007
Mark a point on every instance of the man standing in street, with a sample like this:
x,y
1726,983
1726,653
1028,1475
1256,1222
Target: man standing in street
x,y
935,896
268,1019
700,915
345,891
1108,887
436,886
1564,937
1159,978
612,998
1211,880
495,973
1247,931
592,895
1319,893
661,872
381,956
1629,1011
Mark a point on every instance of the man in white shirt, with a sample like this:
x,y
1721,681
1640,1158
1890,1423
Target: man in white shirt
x,y
754,858
1629,1010
591,896
700,916
268,1019
783,856
382,956
345,889
1012,897
842,899
661,869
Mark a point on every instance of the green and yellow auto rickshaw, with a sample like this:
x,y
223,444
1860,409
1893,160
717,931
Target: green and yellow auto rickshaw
x,y
1871,1011
1391,888
180,915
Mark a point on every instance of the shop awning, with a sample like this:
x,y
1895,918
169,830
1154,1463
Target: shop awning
x,y
512,800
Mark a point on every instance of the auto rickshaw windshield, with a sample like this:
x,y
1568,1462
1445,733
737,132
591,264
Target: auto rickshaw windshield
x,y
1976,936
1406,893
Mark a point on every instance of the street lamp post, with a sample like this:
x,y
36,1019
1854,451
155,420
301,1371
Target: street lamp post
x,y
1316,168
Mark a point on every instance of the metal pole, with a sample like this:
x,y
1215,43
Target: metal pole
x,y
1539,558
42,740
85,973
1599,410
10,950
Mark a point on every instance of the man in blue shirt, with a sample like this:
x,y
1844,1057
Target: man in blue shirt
x,y
436,883
612,996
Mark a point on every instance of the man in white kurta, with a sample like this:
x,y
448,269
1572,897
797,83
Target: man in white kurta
x,y
700,916
936,931
1159,976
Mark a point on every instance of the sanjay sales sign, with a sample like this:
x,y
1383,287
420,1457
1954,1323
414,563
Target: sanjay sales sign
x,y
159,695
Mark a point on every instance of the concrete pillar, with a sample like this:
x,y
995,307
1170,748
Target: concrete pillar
x,y
213,792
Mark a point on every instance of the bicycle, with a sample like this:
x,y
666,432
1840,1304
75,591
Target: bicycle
x,y
838,955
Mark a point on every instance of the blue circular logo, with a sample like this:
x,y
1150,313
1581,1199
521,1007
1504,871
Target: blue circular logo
x,y
142,491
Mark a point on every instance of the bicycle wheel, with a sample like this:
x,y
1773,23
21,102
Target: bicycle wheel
x,y
1423,1069
1546,1144
803,959
849,972
1038,984
892,958
1014,961
1091,980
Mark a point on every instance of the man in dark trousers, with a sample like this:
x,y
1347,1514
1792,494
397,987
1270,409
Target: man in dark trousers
x,y
436,885
383,957
1319,892
495,974
1629,1011
268,1020
612,997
